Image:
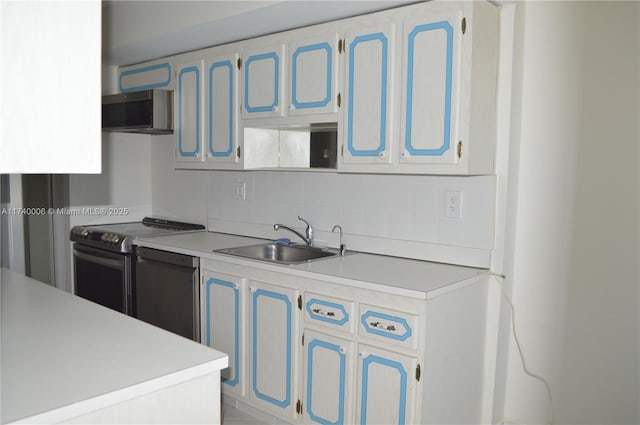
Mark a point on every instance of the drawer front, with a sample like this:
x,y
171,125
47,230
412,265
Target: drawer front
x,y
330,312
151,75
388,325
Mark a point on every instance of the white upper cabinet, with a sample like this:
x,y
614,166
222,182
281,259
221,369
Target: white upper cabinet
x,y
188,112
367,124
313,75
262,82
446,73
156,74
221,121
430,87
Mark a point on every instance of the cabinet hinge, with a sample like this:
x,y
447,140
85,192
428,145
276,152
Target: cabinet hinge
x,y
239,62
459,149
463,25
342,150
299,302
418,373
299,407
339,100
238,151
302,339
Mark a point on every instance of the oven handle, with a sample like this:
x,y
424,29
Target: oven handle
x,y
114,264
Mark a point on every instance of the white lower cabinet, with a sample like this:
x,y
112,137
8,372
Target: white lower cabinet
x,y
328,379
317,352
273,347
386,387
223,324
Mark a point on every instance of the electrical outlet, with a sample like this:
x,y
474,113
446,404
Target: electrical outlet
x,y
453,205
238,190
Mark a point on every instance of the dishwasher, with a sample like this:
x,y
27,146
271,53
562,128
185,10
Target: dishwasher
x,y
166,291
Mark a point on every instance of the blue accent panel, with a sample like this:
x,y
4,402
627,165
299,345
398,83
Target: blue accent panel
x,y
294,76
383,94
316,343
184,71
365,386
276,82
384,333
229,66
236,323
264,293
327,319
165,83
444,25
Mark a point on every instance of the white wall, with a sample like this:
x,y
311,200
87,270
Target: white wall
x,y
573,226
388,214
176,194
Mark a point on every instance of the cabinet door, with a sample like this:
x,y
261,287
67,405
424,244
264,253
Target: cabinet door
x,y
328,362
386,387
263,88
145,76
313,76
274,347
223,327
188,128
430,80
221,120
369,95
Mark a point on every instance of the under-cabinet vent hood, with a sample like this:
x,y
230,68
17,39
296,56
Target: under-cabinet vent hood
x,y
147,111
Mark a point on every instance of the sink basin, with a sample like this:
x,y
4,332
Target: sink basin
x,y
278,253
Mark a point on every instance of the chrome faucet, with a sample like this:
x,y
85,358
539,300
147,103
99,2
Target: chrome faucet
x,y
308,238
343,247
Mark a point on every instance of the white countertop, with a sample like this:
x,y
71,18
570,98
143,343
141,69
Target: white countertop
x,y
400,276
63,356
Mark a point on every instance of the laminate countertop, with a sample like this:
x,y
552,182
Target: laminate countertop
x,y
400,276
64,356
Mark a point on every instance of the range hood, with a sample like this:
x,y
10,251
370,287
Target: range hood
x,y
147,112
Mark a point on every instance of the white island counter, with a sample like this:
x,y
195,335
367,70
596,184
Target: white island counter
x,y
65,359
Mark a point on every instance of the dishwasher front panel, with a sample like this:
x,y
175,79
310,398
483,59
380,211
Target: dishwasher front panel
x,y
167,291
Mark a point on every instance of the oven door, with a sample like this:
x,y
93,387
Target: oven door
x,y
103,277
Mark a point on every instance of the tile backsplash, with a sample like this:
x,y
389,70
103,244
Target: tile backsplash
x,y
387,214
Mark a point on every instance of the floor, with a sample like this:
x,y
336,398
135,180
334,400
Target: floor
x,y
233,416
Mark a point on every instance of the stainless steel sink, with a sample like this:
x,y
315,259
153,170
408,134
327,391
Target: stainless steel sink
x,y
278,253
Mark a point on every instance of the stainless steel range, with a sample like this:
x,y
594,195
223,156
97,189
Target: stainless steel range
x,y
104,263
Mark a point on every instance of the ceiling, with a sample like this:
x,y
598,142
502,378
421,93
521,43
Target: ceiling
x,y
137,31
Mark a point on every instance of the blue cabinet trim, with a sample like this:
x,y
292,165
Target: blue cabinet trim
x,y
367,361
383,94
287,400
319,344
184,71
276,82
229,66
294,76
155,85
236,323
436,26
334,321
382,332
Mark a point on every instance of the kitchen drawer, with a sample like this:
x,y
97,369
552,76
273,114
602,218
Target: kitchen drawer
x,y
328,311
388,325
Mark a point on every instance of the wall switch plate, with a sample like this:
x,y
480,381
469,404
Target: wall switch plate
x,y
238,190
453,205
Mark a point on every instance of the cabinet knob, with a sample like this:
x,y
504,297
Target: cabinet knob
x,y
381,155
362,354
404,154
342,350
